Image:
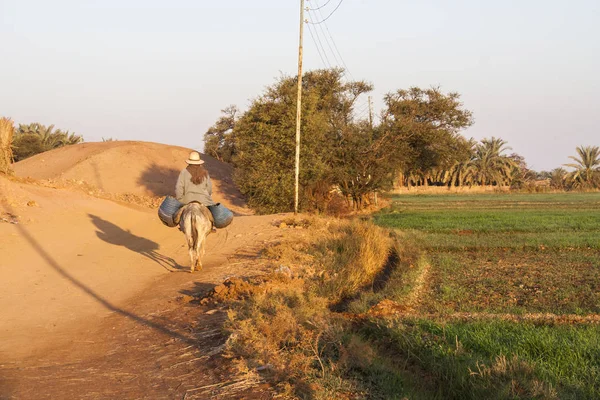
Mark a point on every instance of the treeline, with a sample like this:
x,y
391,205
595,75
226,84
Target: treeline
x,y
27,140
419,130
417,141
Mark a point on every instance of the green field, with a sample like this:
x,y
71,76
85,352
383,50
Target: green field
x,y
492,255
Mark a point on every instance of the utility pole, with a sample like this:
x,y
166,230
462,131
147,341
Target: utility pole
x,y
371,125
299,106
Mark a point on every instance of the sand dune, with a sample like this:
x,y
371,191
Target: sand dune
x,y
119,167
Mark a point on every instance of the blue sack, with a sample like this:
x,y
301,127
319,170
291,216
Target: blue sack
x,y
221,214
167,210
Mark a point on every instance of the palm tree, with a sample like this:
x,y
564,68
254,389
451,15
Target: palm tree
x,y
461,172
36,138
587,167
558,178
489,165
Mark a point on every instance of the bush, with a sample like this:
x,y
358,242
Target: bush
x,y
6,137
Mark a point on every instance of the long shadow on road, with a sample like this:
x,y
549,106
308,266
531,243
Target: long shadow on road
x,y
112,234
107,304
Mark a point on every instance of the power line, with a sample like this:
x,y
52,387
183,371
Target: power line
x,y
316,45
362,109
318,8
327,64
328,44
329,16
336,49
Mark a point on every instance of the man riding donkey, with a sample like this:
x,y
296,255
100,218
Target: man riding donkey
x,y
193,208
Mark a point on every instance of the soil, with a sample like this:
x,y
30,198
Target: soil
x,y
126,167
96,301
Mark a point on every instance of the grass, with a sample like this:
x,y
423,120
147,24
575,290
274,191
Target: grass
x,y
497,254
495,359
288,327
469,297
489,201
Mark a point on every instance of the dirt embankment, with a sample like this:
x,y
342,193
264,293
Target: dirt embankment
x,y
126,167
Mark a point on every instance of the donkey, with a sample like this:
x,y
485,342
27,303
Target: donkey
x,y
196,222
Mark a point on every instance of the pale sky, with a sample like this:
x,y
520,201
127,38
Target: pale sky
x,y
162,70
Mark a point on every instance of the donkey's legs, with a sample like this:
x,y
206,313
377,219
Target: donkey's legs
x,y
193,259
203,247
199,251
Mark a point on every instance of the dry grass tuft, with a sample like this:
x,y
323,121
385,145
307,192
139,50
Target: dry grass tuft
x,y
351,256
515,372
7,131
285,328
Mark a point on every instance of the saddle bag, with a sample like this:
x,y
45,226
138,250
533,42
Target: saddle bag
x,y
222,215
167,210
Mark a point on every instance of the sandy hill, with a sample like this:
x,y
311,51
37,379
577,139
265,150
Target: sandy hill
x,y
118,167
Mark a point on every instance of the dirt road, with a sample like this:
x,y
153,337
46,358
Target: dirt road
x,y
91,299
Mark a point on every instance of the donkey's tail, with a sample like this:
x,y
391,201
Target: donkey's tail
x,y
193,223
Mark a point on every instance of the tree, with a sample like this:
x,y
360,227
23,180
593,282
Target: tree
x,y
419,135
366,162
265,140
219,139
426,125
587,167
36,138
490,166
520,174
462,171
544,175
558,178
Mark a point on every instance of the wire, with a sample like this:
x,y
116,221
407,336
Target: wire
x,y
362,109
337,62
334,10
318,8
317,46
337,51
327,64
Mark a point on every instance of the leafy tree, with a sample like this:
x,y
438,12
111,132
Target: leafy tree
x,y
520,174
265,140
419,135
544,175
36,138
426,125
587,167
366,162
219,139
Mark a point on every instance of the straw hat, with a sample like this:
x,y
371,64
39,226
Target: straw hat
x,y
194,158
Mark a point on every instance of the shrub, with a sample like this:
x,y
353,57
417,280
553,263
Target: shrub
x,y
6,137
